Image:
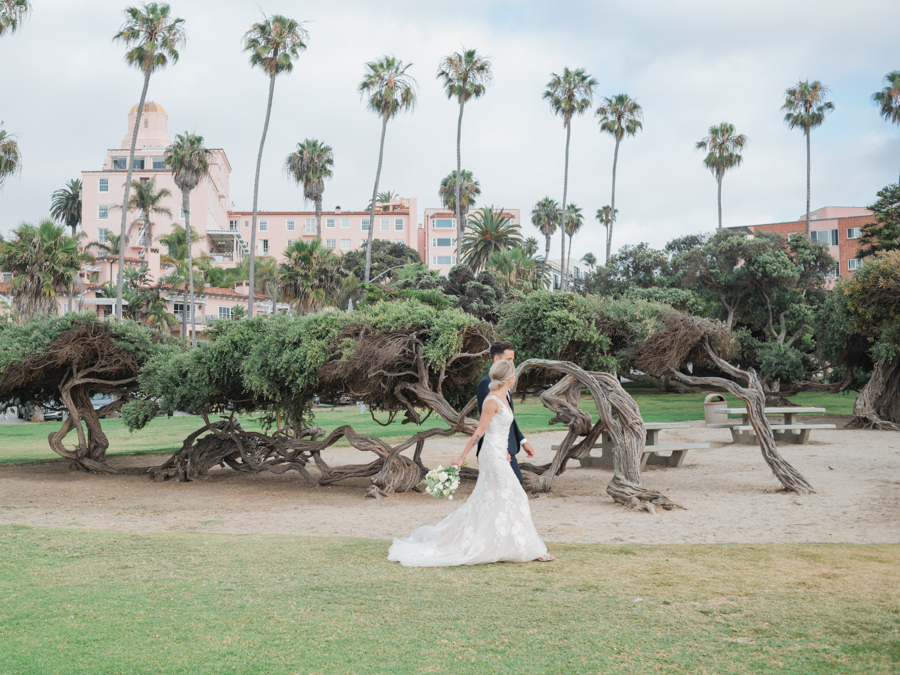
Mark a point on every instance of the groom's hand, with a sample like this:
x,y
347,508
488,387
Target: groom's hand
x,y
528,449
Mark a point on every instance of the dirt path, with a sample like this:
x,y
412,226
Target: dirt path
x,y
728,491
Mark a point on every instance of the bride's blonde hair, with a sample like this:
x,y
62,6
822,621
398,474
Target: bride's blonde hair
x,y
501,374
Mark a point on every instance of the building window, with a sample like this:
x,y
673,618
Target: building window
x,y
102,235
555,282
233,225
7,276
854,232
159,163
138,163
246,223
290,226
310,226
447,241
365,224
827,237
345,223
291,242
329,222
577,273
345,244
398,224
443,223
225,313
263,225
144,181
103,212
181,310
120,163
330,244
181,211
385,224
103,185
265,246
443,260
107,312
854,264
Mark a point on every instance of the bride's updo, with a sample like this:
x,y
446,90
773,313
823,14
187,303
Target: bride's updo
x,y
501,374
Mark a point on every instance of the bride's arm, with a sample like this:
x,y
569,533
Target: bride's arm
x,y
487,412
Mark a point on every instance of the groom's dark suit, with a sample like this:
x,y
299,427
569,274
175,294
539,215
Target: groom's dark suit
x,y
515,436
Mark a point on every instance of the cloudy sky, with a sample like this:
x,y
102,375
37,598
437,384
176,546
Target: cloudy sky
x,y
690,64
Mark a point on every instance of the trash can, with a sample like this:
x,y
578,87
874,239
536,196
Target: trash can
x,y
714,409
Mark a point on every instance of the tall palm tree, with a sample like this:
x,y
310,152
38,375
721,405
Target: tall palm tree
x,y
189,161
310,276
10,157
156,308
12,13
388,90
545,216
148,202
619,116
889,97
464,76
467,190
153,38
490,230
723,148
42,260
310,164
574,222
65,207
273,45
806,108
569,94
607,217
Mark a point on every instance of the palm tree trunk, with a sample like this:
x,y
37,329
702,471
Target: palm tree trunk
x,y
184,305
807,182
571,236
274,296
262,143
72,287
319,218
186,198
719,181
612,206
374,196
546,258
137,123
562,272
460,225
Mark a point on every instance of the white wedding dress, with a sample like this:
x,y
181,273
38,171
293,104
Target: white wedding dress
x,y
494,525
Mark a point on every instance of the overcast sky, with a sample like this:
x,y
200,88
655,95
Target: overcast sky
x,y
66,93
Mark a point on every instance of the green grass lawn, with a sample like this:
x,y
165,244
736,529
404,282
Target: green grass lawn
x,y
82,601
28,442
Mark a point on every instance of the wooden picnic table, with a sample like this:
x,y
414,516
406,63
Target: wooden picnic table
x,y
652,448
792,430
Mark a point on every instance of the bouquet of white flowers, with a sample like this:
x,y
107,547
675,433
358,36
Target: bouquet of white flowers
x,y
441,482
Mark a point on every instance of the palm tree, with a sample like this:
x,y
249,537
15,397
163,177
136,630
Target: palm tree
x,y
889,98
569,94
189,162
42,259
468,190
273,45
490,230
607,217
310,277
806,108
65,207
545,216
156,308
147,201
619,116
723,148
388,89
268,279
574,222
175,242
530,247
383,199
152,37
310,164
10,157
590,260
12,13
464,76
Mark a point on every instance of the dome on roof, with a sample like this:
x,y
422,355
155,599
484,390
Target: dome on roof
x,y
149,106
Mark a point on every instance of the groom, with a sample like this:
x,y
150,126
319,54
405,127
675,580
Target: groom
x,y
504,351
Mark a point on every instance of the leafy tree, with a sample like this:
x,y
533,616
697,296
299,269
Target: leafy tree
x,y
310,276
468,189
546,217
464,76
490,230
888,99
152,38
574,223
619,116
388,89
806,108
723,148
10,157
884,233
148,201
630,267
65,207
189,161
385,255
42,259
514,268
569,94
12,13
273,45
310,164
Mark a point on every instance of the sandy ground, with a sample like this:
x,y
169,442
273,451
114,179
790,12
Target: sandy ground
x,y
728,492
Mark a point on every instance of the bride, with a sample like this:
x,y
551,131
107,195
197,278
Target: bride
x,y
494,525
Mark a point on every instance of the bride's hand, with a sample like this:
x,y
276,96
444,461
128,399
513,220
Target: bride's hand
x,y
508,457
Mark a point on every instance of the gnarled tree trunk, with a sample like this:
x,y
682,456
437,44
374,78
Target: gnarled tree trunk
x,y
878,404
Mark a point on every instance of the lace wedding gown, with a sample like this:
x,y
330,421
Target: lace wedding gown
x,y
494,525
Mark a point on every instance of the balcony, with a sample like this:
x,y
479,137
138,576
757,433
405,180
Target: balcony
x,y
216,317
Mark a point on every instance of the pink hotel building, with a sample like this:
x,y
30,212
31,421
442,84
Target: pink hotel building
x,y
223,233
